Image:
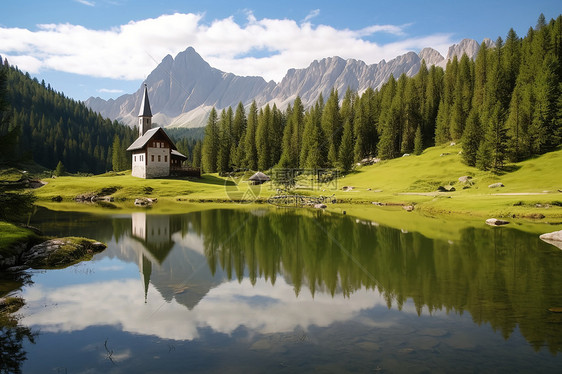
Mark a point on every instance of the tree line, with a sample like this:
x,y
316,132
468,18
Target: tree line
x,y
47,127
503,106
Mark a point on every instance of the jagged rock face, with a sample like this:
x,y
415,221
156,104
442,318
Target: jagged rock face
x,y
182,90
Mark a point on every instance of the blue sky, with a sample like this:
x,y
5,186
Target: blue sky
x,y
107,47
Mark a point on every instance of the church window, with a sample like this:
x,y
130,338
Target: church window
x,y
158,158
165,158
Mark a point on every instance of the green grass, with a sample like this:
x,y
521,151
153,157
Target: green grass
x,y
405,180
10,235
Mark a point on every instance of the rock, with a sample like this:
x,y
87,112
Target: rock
x,y
453,144
320,206
405,155
554,238
61,252
36,184
445,189
377,203
465,179
496,222
444,154
57,198
347,188
496,185
108,199
408,208
145,201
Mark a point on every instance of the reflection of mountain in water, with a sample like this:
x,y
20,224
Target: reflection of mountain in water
x,y
182,273
503,277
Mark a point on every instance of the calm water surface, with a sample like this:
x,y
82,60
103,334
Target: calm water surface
x,y
282,291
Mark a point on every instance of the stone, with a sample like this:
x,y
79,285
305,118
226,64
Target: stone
x,y
496,185
60,252
496,222
465,179
320,206
408,208
145,201
554,238
405,155
57,198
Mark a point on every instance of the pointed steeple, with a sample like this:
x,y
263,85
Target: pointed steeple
x,y
145,115
145,105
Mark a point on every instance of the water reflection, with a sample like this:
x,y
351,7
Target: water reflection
x,y
275,271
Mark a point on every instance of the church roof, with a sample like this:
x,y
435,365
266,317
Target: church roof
x,y
143,140
145,105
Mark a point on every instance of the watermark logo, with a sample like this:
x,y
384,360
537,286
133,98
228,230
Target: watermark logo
x,y
279,184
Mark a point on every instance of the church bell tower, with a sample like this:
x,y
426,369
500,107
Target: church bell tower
x,y
145,115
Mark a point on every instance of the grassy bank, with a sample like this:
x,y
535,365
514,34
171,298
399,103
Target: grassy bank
x,y
12,235
532,188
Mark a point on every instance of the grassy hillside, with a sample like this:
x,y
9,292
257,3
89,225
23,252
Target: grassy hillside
x,y
532,188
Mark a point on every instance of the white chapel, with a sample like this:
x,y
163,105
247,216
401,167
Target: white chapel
x,y
154,153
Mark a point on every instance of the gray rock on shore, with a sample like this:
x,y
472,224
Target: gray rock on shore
x,y
554,238
496,222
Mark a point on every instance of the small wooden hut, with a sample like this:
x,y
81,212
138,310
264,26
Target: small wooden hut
x,y
259,178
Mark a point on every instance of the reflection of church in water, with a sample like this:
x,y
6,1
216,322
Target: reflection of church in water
x,y
171,258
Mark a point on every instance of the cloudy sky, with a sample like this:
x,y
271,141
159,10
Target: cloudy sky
x,y
107,47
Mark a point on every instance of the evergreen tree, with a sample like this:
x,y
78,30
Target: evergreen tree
x,y
116,154
418,142
59,170
250,139
226,140
332,126
345,159
196,157
471,138
210,147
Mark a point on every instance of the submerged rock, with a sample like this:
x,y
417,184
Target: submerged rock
x,y
554,238
496,222
61,252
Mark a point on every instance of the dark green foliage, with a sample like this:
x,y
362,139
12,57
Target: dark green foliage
x,y
210,147
59,170
418,142
49,127
471,139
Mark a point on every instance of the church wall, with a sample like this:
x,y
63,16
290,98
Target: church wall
x,y
139,169
156,167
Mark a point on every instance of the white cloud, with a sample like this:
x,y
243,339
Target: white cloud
x,y
224,309
311,15
86,2
110,90
132,51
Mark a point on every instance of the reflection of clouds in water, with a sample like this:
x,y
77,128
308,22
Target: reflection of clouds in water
x,y
190,241
263,308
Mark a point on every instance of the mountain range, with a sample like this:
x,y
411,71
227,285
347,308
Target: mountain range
x,y
183,89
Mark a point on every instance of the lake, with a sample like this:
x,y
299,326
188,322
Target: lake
x,y
275,290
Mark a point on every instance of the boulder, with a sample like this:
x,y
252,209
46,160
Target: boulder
x,y
145,201
61,252
408,208
465,179
554,238
496,222
320,206
496,185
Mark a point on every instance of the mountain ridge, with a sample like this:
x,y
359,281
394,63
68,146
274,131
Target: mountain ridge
x,y
183,89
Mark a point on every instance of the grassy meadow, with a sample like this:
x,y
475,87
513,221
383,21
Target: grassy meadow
x,y
532,188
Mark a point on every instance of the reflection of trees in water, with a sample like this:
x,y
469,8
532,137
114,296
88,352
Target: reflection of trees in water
x,y
12,335
502,276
